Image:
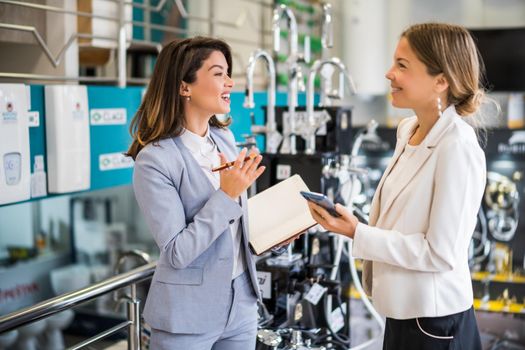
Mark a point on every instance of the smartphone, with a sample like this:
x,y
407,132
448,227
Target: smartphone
x,y
321,200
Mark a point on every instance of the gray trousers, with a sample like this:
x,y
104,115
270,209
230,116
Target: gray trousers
x,y
237,333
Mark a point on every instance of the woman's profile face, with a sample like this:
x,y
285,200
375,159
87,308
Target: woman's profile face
x,y
412,86
210,93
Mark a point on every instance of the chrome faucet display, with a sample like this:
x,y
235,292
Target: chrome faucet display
x,y
327,42
311,122
327,35
273,137
294,72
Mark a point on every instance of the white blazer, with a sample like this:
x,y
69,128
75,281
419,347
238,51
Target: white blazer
x,y
416,246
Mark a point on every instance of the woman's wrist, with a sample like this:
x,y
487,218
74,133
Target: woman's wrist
x,y
353,228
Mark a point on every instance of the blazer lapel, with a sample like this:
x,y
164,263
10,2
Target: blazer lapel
x,y
376,201
223,145
197,172
407,173
420,157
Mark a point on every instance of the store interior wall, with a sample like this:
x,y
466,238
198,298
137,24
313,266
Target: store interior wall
x,y
21,54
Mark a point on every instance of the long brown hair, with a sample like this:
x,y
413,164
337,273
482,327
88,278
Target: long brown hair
x,y
161,113
450,49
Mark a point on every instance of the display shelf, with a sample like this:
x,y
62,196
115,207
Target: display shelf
x,y
499,306
490,306
483,276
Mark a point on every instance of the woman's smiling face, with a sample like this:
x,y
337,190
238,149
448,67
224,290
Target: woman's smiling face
x,y
412,85
210,93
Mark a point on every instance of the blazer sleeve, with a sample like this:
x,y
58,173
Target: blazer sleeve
x,y
164,211
458,187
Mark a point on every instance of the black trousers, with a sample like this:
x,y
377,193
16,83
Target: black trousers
x,y
452,332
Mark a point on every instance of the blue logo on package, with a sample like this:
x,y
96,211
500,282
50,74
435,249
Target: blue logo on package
x,y
9,115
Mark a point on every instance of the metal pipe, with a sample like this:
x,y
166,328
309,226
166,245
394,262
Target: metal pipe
x,y
101,336
316,67
327,41
278,11
121,52
134,327
134,253
137,255
370,136
68,300
271,126
289,138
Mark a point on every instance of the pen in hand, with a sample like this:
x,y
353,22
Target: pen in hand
x,y
229,164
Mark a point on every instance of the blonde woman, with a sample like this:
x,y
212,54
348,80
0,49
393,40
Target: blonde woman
x,y
425,208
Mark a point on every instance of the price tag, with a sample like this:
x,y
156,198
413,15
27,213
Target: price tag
x,y
337,319
315,293
34,118
265,284
283,172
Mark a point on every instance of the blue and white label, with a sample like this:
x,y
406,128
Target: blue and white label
x,y
113,161
34,119
108,116
9,116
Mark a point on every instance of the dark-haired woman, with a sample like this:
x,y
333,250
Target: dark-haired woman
x,y
425,208
204,291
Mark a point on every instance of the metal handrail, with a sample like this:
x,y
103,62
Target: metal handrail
x,y
68,300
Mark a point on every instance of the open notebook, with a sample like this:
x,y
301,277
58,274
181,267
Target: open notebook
x,y
278,214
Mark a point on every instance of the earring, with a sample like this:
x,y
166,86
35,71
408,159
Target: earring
x,y
188,98
439,106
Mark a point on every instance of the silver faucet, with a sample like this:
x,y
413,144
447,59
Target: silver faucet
x,y
289,140
312,124
369,134
273,137
137,255
327,36
327,42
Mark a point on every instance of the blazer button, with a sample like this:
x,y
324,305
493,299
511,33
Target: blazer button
x,y
232,221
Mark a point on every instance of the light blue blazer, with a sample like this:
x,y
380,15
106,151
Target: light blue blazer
x,y
190,222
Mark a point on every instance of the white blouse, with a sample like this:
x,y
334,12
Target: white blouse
x,y
205,152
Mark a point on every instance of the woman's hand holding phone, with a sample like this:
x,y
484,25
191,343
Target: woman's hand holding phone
x,y
345,223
